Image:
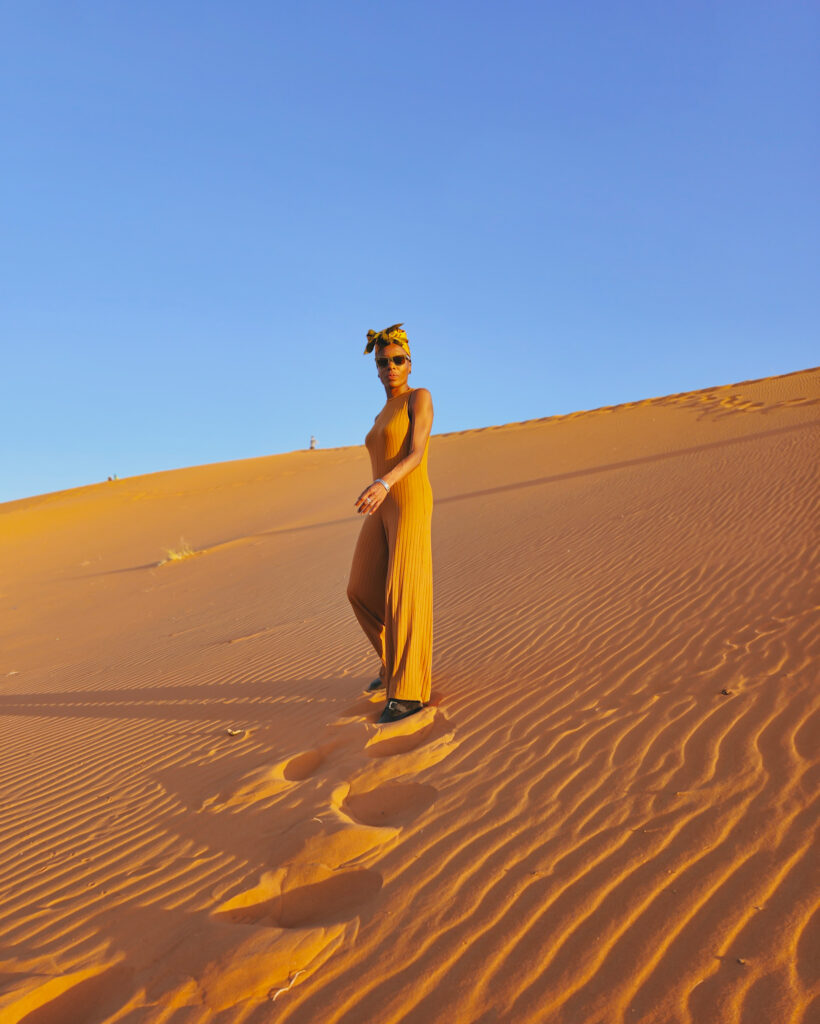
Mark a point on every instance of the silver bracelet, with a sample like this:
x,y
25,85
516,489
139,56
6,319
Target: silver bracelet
x,y
384,483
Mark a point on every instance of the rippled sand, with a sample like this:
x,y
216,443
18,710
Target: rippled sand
x,y
604,817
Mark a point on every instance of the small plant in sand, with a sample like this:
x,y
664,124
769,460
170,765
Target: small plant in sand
x,y
177,554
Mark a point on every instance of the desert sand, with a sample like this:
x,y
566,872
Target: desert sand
x,y
605,816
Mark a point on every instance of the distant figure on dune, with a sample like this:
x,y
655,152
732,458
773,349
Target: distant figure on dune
x,y
312,443
391,579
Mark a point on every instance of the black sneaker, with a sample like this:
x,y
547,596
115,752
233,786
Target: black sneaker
x,y
397,709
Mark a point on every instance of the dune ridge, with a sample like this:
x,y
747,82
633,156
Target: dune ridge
x,y
606,814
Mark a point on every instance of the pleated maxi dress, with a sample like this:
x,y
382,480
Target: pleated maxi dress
x,y
391,578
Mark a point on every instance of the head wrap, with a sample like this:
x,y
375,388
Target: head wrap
x,y
389,336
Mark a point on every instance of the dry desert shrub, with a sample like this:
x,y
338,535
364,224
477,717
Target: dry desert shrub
x,y
179,553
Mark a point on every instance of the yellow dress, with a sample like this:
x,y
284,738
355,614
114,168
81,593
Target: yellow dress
x,y
391,579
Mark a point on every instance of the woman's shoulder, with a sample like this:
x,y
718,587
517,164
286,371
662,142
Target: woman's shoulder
x,y
421,395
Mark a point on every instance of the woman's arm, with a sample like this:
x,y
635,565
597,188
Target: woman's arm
x,y
421,423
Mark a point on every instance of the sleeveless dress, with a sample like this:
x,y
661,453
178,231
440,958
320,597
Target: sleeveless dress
x,y
391,578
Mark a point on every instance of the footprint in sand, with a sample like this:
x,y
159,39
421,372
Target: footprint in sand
x,y
35,998
393,804
378,790
302,766
324,880
286,926
332,900
306,909
270,780
227,962
427,733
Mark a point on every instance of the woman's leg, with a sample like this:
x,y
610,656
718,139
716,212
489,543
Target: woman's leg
x,y
368,578
409,606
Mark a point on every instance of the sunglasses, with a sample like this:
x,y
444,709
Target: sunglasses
x,y
383,361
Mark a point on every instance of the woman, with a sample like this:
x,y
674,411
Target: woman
x,y
391,579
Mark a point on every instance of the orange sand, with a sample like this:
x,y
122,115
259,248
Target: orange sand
x,y
582,828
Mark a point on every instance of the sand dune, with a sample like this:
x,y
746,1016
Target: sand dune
x,y
604,817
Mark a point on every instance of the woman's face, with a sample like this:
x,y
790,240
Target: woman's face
x,y
393,376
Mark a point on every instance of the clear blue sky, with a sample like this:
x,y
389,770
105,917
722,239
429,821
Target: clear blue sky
x,y
205,205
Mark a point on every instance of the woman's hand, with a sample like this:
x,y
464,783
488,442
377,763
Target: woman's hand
x,y
370,499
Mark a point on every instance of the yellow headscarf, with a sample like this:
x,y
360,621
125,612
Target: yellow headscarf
x,y
389,336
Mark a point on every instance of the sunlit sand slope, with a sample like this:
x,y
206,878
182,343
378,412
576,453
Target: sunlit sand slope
x,y
604,817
